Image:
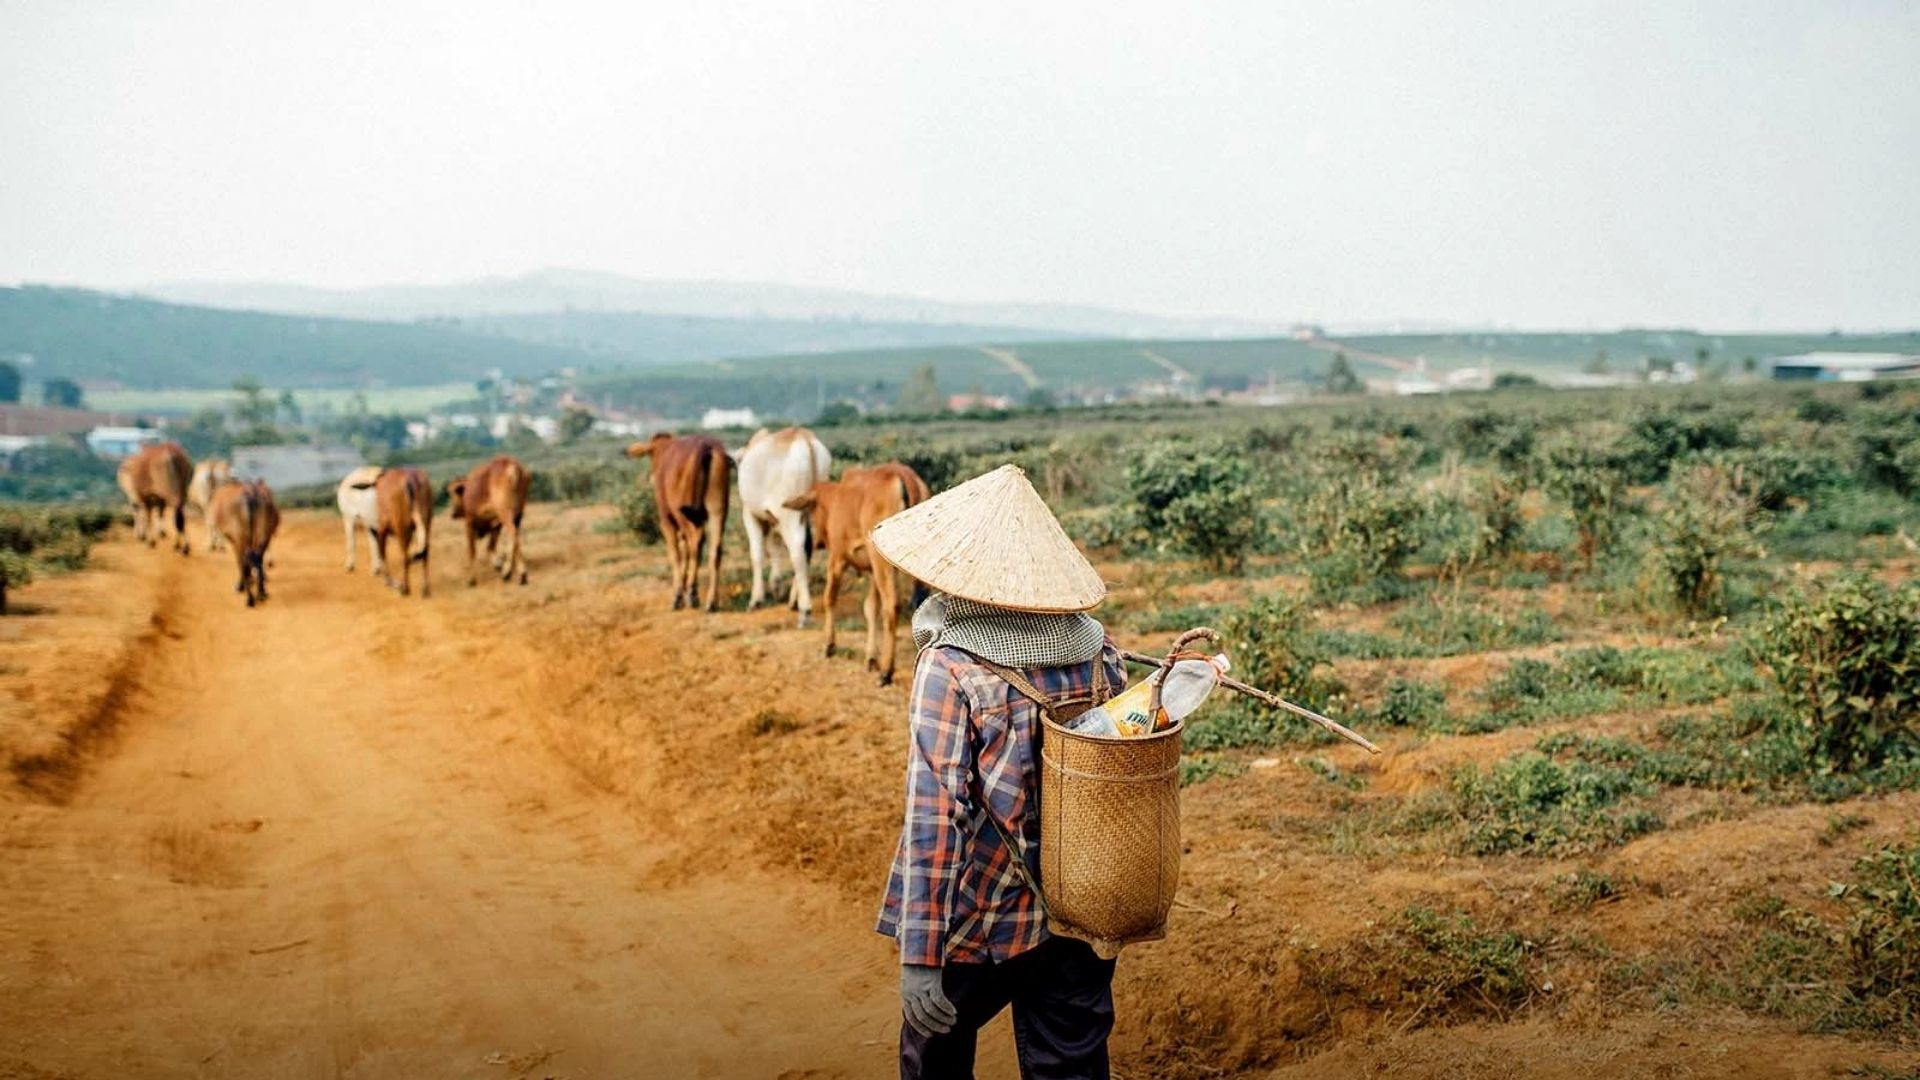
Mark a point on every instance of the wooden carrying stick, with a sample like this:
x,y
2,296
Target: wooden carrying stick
x,y
1254,692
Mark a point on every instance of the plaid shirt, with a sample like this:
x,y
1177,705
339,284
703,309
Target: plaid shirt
x,y
954,894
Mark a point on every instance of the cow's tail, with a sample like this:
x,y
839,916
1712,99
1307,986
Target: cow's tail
x,y
703,477
422,500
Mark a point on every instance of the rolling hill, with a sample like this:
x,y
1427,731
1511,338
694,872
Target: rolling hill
x,y
107,339
794,386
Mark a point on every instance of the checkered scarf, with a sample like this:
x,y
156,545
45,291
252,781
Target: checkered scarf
x,y
1015,639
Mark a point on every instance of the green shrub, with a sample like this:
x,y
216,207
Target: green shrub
x,y
1846,661
1705,518
1273,648
1883,936
1532,804
15,571
639,514
1591,486
1197,501
1409,703
1361,528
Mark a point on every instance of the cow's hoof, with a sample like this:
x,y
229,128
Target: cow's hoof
x,y
249,601
828,653
523,577
404,591
884,680
471,582
804,622
872,664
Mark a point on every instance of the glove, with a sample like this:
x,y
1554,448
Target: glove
x,y
924,1004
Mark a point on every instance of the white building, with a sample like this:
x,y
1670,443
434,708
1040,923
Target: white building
x,y
120,442
728,418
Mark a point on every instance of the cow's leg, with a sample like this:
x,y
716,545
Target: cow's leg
x,y
518,558
473,575
793,530
346,522
757,555
869,607
180,528
426,555
260,562
886,587
716,539
670,530
829,595
245,567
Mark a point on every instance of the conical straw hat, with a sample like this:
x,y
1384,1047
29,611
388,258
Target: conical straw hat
x,y
993,541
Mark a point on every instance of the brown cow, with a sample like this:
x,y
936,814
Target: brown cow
x,y
844,513
245,514
155,481
692,481
404,499
492,499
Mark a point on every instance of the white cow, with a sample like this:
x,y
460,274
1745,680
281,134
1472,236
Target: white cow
x,y
776,467
208,475
359,509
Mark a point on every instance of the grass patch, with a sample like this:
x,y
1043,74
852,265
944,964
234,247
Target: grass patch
x,y
1200,768
1430,967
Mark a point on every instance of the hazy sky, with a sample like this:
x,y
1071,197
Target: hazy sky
x,y
1725,165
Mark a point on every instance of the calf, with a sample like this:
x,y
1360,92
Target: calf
x,y
360,510
491,500
208,475
155,482
692,480
405,510
843,513
245,514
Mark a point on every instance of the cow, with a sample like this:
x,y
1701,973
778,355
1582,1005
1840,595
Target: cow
x,y
405,498
208,475
155,481
245,514
360,510
692,480
491,500
775,467
843,512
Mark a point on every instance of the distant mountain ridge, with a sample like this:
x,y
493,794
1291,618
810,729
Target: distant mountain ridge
x,y
548,291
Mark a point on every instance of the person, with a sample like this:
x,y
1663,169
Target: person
x,y
1008,607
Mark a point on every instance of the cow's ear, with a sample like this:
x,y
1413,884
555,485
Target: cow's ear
x,y
639,450
802,501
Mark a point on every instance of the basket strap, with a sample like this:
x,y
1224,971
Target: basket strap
x,y
1024,685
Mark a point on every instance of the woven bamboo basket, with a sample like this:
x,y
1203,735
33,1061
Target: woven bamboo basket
x,y
1110,827
1109,835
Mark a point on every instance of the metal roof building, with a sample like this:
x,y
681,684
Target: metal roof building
x,y
1846,367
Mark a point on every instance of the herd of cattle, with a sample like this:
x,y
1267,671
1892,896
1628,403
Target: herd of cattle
x,y
784,478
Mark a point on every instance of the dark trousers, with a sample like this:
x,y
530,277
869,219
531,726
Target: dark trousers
x,y
1062,998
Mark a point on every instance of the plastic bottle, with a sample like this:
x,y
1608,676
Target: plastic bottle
x,y
1186,686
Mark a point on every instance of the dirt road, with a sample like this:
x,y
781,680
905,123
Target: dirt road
x,y
327,842
564,831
